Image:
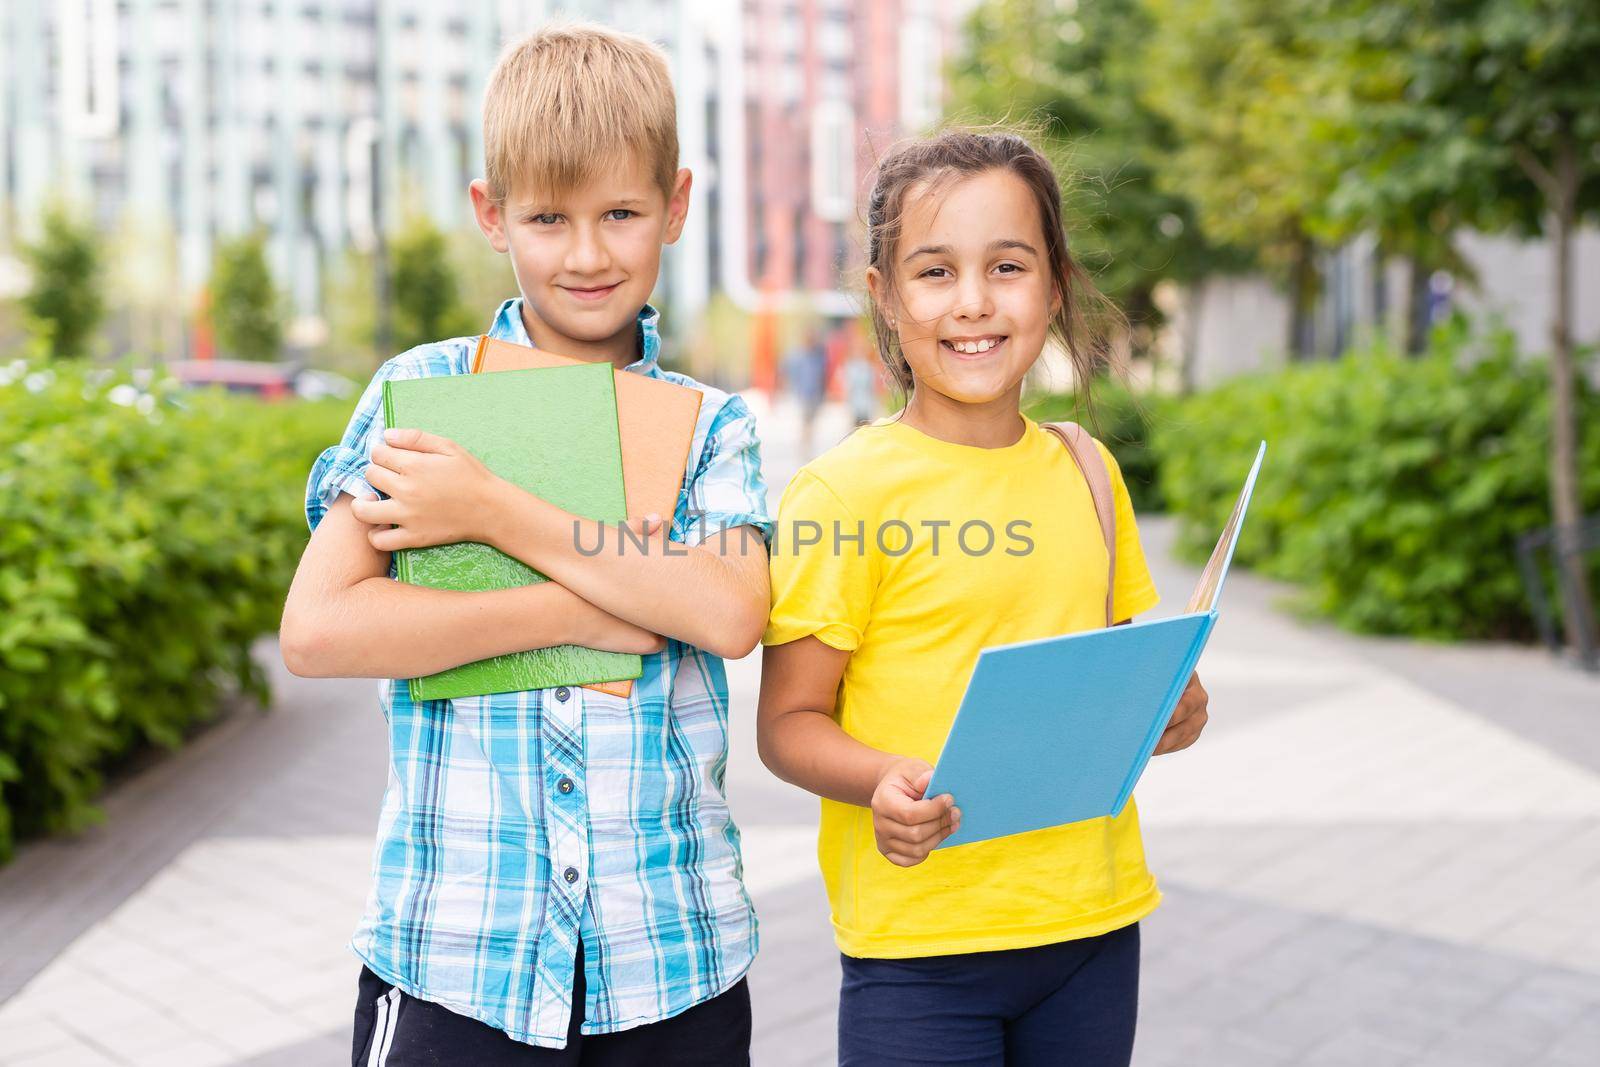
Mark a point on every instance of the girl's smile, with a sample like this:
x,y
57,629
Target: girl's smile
x,y
972,347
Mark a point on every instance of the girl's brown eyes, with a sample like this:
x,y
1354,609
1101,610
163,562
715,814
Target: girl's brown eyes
x,y
931,271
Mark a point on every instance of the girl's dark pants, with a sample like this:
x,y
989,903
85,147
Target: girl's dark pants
x,y
1072,1003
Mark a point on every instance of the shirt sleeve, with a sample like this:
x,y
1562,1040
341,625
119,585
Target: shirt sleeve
x,y
342,468
823,579
1135,587
728,489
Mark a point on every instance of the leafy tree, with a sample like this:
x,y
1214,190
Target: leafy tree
x,y
1077,70
425,291
245,308
1258,124
64,302
1496,115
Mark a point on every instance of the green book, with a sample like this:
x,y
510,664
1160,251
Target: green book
x,y
553,432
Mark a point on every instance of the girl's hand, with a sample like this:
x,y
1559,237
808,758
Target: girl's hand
x,y
1188,719
438,492
907,826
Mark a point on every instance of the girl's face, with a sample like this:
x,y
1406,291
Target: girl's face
x,y
973,292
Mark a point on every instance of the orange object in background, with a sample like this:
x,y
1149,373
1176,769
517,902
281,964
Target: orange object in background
x,y
205,343
764,350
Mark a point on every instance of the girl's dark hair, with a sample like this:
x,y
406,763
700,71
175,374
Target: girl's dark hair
x,y
1085,323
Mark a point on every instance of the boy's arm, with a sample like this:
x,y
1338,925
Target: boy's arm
x,y
345,617
713,595
709,590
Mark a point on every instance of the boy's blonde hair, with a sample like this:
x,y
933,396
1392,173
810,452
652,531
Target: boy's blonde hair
x,y
566,102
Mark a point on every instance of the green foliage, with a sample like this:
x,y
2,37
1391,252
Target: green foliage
x,y
1393,490
63,305
426,294
1490,104
246,310
1254,114
1122,421
1078,71
147,537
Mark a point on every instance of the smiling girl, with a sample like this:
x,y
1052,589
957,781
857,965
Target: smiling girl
x,y
954,525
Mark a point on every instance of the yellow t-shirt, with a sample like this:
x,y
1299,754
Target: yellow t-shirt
x,y
914,587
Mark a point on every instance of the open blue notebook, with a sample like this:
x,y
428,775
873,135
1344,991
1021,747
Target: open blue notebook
x,y
1058,730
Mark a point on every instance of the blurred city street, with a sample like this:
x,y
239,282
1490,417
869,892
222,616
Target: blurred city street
x,y
1380,853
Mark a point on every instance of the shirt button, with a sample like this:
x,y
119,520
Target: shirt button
x,y
565,785
571,875
563,693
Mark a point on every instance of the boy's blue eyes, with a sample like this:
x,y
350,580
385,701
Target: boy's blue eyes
x,y
550,218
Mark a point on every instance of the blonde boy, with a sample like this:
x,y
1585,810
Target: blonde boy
x,y
556,878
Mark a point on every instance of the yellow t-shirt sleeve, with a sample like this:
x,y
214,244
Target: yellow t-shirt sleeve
x,y
1135,587
822,580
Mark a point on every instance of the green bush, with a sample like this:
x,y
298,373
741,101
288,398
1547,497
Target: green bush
x,y
246,309
1393,489
147,537
65,299
1122,422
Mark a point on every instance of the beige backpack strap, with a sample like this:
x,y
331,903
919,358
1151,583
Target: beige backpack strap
x,y
1093,467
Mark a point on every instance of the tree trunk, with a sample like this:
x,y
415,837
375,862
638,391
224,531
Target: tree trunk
x,y
1301,288
1566,502
1192,296
1416,306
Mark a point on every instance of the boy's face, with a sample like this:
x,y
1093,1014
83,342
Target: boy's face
x,y
587,258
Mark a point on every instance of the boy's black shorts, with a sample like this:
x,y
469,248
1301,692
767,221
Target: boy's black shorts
x,y
416,1032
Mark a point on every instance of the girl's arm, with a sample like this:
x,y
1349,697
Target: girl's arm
x,y
345,617
801,742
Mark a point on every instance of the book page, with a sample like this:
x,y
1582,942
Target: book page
x,y
1205,593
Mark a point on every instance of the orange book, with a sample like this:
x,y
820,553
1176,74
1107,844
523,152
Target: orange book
x,y
656,421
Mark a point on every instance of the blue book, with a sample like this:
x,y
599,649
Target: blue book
x,y
1059,729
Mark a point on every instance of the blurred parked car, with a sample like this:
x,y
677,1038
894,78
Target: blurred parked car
x,y
270,381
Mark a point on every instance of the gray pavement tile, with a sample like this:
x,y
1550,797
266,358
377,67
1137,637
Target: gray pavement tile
x,y
244,771
325,1050
794,984
1353,984
1208,1046
1358,1049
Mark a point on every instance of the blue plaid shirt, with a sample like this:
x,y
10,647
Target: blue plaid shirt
x,y
516,825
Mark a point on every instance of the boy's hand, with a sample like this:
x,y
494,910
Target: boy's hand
x,y
906,825
438,492
1188,719
595,628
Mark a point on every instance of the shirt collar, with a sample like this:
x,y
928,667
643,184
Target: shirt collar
x,y
508,326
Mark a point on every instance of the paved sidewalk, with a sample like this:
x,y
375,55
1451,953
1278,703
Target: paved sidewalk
x,y
1381,853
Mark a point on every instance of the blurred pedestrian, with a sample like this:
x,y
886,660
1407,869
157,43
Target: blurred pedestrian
x,y
805,373
861,386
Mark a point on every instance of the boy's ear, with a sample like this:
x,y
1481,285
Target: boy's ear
x,y
489,215
678,205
